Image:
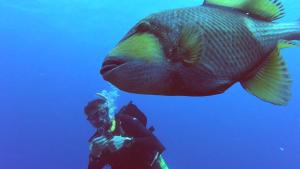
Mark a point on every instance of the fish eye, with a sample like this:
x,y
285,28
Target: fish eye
x,y
144,26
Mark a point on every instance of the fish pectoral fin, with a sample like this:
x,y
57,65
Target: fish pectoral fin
x,y
190,45
271,82
264,9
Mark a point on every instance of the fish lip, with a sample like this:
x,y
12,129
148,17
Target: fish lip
x,y
110,64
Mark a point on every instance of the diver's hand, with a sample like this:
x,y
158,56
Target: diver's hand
x,y
117,142
98,145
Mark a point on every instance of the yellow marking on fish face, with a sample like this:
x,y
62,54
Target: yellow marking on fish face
x,y
144,46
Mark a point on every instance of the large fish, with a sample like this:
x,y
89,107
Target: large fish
x,y
203,50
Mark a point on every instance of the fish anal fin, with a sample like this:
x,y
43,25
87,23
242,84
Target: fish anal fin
x,y
265,9
271,82
286,44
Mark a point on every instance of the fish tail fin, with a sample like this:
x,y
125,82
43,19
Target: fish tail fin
x,y
288,31
296,35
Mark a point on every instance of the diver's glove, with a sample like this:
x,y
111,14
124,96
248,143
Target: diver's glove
x,y
102,144
98,145
117,142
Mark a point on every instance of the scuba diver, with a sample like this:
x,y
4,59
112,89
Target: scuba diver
x,y
122,141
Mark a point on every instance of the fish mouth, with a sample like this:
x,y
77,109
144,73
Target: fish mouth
x,y
111,64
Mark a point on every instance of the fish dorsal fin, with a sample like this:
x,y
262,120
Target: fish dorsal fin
x,y
271,82
268,10
190,45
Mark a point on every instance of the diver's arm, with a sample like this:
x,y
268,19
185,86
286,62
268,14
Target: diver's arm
x,y
99,153
142,137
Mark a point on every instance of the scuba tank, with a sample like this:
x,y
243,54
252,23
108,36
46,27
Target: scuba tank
x,y
139,129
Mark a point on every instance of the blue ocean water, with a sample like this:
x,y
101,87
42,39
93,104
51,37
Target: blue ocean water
x,y
50,55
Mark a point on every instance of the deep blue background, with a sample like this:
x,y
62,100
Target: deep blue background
x,y
50,55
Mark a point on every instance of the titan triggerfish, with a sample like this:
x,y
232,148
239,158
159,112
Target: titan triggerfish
x,y
203,50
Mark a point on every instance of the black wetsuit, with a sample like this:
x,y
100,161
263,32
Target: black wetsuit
x,y
138,155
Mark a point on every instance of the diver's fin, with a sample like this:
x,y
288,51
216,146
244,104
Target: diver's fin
x,y
264,9
190,46
272,82
162,163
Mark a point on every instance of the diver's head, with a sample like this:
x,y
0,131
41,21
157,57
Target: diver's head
x,y
97,112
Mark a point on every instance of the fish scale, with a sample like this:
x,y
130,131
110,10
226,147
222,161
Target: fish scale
x,y
228,54
222,57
